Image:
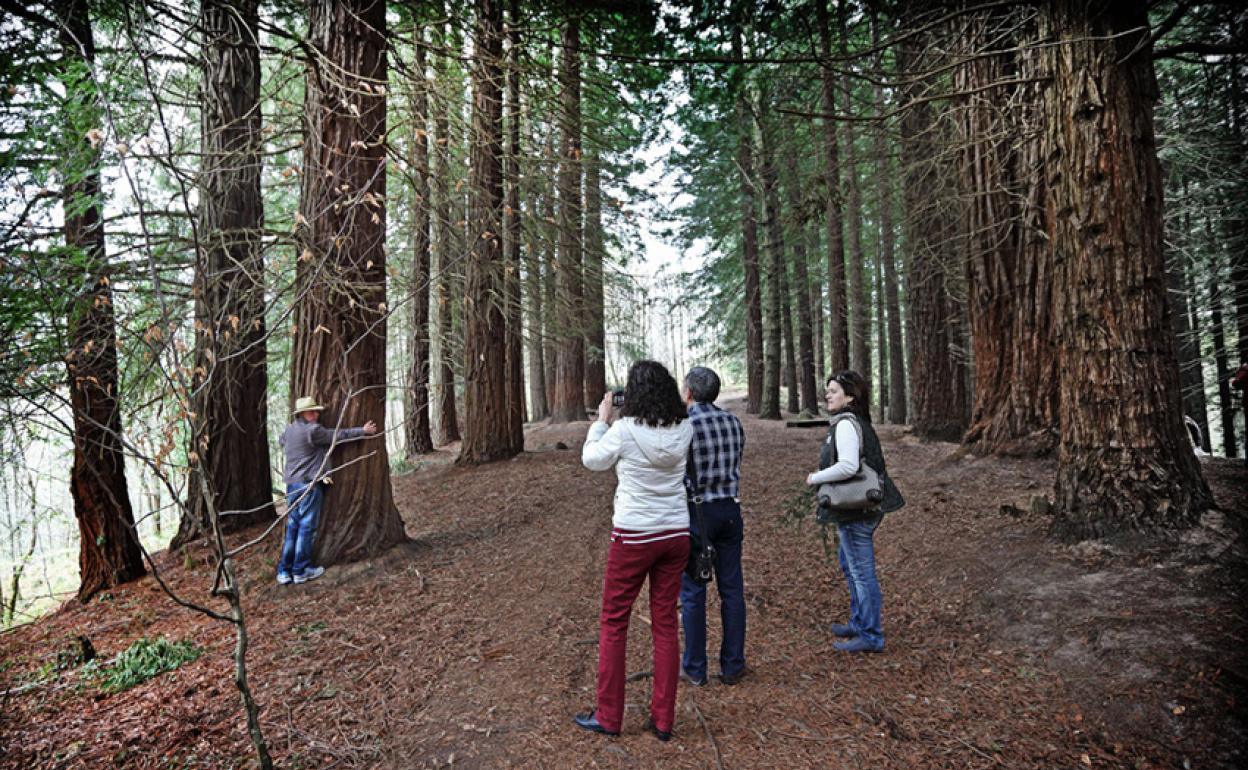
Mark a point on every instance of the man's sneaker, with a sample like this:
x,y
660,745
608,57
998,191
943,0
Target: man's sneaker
x,y
311,573
731,679
690,680
284,578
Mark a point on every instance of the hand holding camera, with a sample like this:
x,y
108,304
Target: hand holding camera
x,y
609,408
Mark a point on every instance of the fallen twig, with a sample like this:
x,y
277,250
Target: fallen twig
x,y
719,760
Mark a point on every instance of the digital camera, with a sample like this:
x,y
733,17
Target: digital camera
x,y
617,399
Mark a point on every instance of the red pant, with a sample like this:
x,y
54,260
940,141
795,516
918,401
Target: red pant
x,y
628,565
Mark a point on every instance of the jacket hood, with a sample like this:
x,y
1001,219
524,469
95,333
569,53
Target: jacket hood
x,y
664,446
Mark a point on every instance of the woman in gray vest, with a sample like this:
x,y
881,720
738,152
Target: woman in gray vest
x,y
851,440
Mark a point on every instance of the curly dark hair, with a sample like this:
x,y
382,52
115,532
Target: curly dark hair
x,y
651,395
855,385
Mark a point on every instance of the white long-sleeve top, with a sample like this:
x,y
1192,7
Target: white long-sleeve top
x,y
848,455
650,466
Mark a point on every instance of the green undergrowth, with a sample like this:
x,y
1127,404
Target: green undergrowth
x,y
139,662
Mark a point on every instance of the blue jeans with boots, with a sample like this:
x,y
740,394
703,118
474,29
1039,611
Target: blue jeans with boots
x,y
725,530
303,503
857,556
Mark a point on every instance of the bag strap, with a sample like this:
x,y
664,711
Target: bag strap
x,y
691,470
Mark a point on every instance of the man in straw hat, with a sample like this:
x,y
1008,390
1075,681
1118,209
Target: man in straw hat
x,y
307,443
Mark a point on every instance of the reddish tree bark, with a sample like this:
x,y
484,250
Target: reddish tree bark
x,y
516,410
569,387
108,547
801,277
749,234
859,316
339,350
230,428
1124,462
595,332
487,429
419,428
773,335
446,253
937,377
838,319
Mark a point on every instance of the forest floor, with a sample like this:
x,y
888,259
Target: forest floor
x,y
475,644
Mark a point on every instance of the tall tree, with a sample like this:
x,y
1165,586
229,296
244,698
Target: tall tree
x,y
937,376
595,332
859,315
511,217
108,552
805,334
1221,360
773,334
1187,338
749,230
340,347
230,406
445,252
891,300
569,387
1123,458
838,319
487,428
419,435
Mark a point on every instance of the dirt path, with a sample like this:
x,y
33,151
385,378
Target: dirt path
x,y
474,646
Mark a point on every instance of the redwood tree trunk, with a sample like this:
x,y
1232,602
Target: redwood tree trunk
x,y
1010,258
838,319
890,298
772,321
419,427
595,333
805,333
339,350
487,428
569,386
1191,376
749,235
445,254
1124,462
108,546
1221,361
937,377
230,434
859,317
511,216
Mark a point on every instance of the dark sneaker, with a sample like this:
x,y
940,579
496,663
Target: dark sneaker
x,y
590,722
857,644
663,735
731,679
844,630
311,573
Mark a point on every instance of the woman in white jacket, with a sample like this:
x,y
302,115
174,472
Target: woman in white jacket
x,y
647,446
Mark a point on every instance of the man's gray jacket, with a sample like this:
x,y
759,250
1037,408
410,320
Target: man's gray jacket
x,y
306,444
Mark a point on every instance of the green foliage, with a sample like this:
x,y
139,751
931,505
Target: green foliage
x,y
141,661
798,507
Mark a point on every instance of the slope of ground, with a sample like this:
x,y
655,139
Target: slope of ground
x,y
474,645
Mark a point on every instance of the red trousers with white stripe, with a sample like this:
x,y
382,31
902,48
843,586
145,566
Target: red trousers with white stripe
x,y
634,556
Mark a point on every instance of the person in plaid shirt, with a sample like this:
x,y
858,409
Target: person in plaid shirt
x,y
714,472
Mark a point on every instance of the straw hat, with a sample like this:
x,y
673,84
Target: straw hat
x,y
307,404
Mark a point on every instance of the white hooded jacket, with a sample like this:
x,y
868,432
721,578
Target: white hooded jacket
x,y
650,465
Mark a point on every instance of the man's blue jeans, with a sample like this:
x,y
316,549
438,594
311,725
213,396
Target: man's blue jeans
x,y
857,557
726,530
303,502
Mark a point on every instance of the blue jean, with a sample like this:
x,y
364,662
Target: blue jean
x,y
857,556
725,530
303,504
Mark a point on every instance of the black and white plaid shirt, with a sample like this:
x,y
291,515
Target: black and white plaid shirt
x,y
715,454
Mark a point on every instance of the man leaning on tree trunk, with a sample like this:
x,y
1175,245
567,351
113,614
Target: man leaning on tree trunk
x,y
306,444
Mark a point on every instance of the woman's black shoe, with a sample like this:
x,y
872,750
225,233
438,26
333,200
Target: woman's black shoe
x,y
590,722
663,735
